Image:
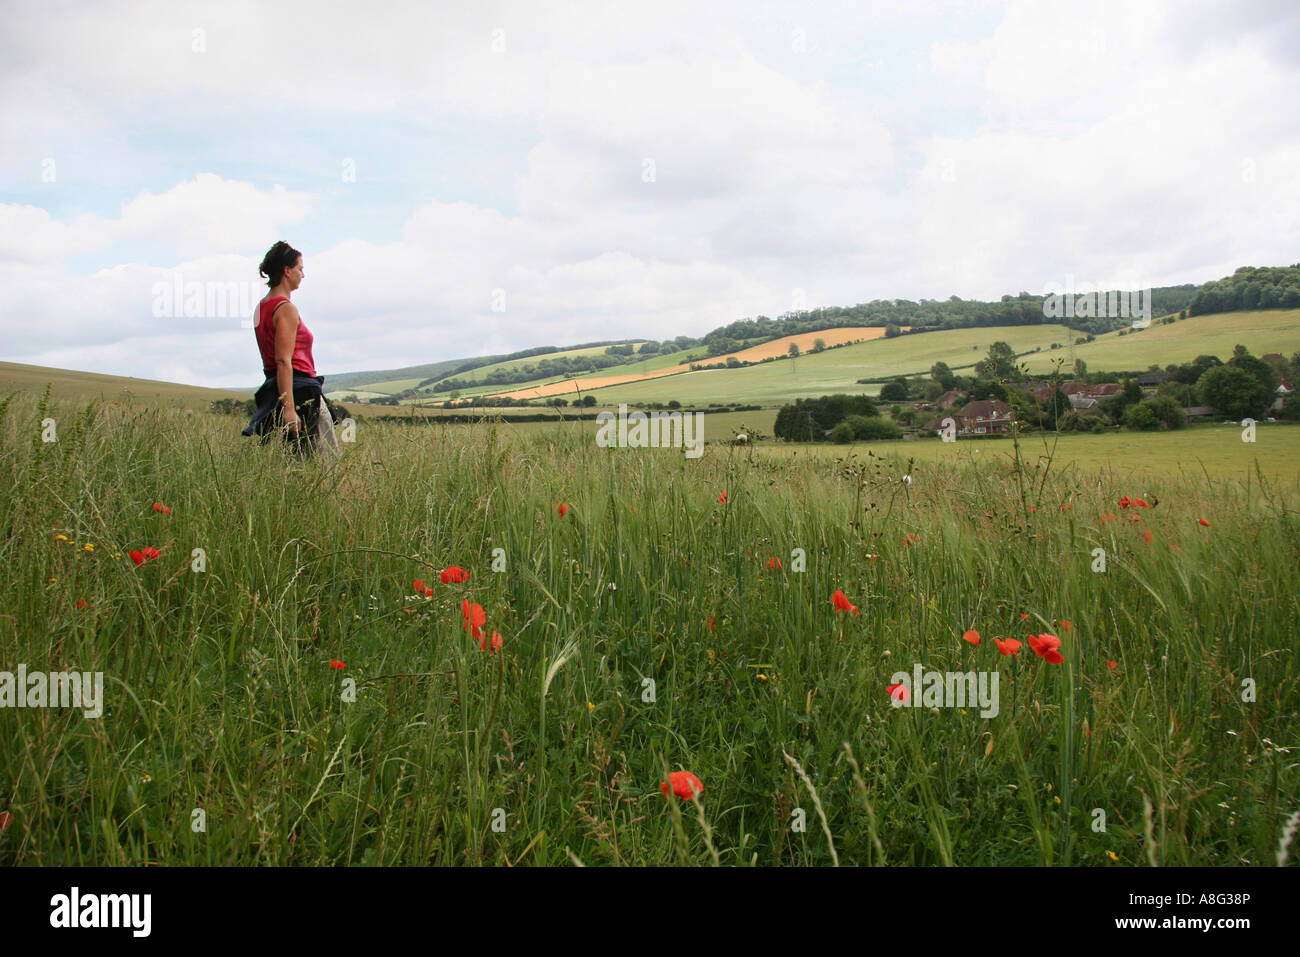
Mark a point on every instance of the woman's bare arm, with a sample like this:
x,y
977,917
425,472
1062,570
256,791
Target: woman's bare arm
x,y
286,335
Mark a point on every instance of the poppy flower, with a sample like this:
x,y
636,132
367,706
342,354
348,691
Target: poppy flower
x,y
82,603
1146,533
5,820
972,636
562,509
910,540
453,575
160,507
428,591
1009,646
684,784
1124,502
842,603
1204,522
140,556
711,624
1108,517
475,617
723,497
496,642
774,563
1175,547
1141,502
1033,508
337,665
1045,646
1065,505
899,692
1024,616
419,586
1066,625
1111,665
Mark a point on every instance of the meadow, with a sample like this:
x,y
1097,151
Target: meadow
x,y
277,691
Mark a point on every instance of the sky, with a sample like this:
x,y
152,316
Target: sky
x,y
472,179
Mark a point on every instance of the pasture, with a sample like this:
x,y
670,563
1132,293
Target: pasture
x,y
275,676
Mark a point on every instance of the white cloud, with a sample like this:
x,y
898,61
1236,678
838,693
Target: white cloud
x,y
1098,139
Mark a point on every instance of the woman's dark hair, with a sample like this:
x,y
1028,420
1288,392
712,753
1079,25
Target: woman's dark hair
x,y
278,258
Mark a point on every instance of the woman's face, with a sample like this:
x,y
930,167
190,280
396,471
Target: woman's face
x,y
294,274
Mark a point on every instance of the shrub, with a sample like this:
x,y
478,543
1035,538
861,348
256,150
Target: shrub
x,y
842,433
871,427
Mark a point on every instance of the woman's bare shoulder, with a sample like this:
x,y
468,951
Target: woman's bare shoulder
x,y
287,309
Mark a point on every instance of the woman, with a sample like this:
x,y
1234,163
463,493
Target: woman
x,y
291,397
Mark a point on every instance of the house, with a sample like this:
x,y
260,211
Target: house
x,y
1200,412
1149,379
985,417
1283,390
949,398
1079,402
1106,389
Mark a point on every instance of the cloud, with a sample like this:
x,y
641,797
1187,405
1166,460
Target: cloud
x,y
681,166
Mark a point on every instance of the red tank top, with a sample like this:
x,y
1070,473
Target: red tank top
x,y
265,333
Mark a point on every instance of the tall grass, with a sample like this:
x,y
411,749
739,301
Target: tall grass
x,y
643,632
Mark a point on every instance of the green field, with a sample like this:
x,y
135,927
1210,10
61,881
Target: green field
x,y
835,370
67,384
1273,330
1213,452
646,631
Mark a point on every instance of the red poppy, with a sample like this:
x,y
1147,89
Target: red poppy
x,y
842,603
1024,616
1009,646
910,540
774,563
1111,665
1124,502
1108,517
1066,625
1141,501
1065,505
1146,533
419,585
496,642
82,603
453,575
684,784
1045,646
972,636
5,820
1175,547
562,509
428,592
160,507
899,692
143,555
723,497
711,624
1033,508
337,665
1204,522
475,618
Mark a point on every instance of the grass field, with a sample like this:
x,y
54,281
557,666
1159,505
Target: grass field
x,y
647,630
836,370
1272,330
